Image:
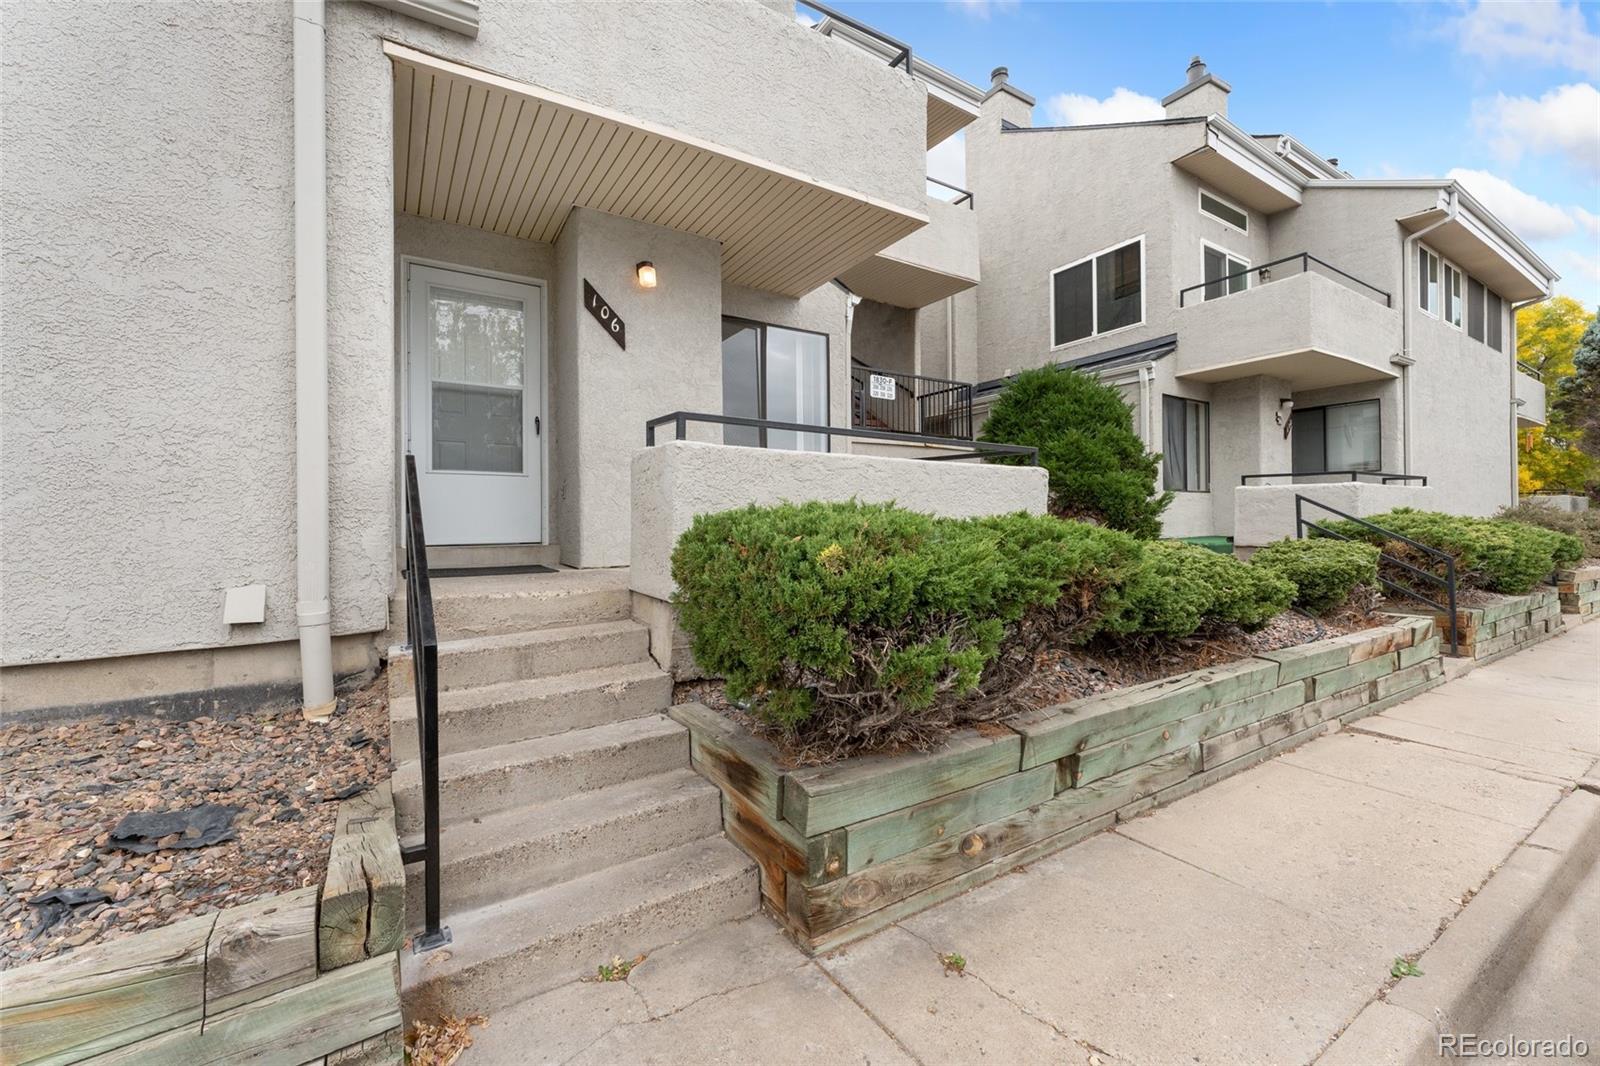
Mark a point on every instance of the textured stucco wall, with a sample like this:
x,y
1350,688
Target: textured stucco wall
x,y
1265,513
674,482
732,72
948,243
1047,198
1298,313
672,362
148,368
885,337
1244,440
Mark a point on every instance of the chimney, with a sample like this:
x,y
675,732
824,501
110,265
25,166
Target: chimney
x,y
1007,101
1202,94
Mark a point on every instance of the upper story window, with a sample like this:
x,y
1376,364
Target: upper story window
x,y
1225,273
1097,294
1494,335
1452,295
1224,212
1427,281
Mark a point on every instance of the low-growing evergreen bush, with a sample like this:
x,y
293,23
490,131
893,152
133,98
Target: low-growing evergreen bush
x,y
860,625
1585,525
1099,469
1324,571
1490,553
1182,587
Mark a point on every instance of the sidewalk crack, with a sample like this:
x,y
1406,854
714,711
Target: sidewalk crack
x,y
864,1010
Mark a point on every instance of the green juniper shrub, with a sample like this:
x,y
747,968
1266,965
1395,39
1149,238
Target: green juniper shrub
x,y
1099,469
1182,587
1490,553
861,625
1324,571
1585,525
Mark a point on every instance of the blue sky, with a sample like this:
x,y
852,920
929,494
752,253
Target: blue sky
x,y
1501,95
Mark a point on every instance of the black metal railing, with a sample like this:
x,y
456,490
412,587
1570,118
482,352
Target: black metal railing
x,y
967,449
902,50
1447,581
1379,476
963,196
423,641
909,403
1277,270
1532,371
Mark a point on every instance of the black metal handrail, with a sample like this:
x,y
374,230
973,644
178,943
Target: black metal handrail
x,y
1529,369
1354,475
964,198
970,449
1264,275
903,50
920,403
1302,523
423,640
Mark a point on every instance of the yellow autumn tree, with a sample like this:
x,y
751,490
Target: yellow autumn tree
x,y
1547,337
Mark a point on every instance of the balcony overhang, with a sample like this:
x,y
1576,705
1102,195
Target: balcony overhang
x,y
937,261
1233,163
1476,243
1306,368
952,103
478,149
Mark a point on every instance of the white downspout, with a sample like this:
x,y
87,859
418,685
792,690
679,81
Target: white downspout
x,y
1406,361
313,611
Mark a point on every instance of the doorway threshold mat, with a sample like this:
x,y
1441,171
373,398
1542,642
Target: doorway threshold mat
x,y
489,571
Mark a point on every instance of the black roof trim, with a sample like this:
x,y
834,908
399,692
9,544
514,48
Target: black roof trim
x,y
1139,352
1010,127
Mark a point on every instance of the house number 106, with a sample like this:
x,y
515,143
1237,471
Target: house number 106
x,y
604,315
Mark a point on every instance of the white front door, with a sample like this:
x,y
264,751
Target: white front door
x,y
475,364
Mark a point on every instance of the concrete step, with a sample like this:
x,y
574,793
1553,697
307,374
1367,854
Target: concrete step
x,y
534,847
471,718
476,784
506,952
510,603
469,556
477,661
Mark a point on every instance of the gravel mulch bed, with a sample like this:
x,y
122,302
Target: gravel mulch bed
x,y
68,784
1065,674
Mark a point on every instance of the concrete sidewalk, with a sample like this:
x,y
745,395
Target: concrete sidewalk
x,y
1252,922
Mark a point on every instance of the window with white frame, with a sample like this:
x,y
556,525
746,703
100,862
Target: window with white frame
x,y
1452,295
1225,273
1224,212
1427,281
1097,294
1185,444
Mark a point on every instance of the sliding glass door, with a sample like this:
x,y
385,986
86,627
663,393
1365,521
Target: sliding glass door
x,y
777,374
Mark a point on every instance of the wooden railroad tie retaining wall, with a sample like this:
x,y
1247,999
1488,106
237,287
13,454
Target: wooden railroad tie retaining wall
x,y
849,848
1498,630
240,985
1578,590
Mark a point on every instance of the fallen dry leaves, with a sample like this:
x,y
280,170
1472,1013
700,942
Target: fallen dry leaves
x,y
440,1043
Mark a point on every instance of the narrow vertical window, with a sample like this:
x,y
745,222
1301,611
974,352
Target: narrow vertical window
x,y
1185,444
1452,295
1475,291
1427,281
1494,334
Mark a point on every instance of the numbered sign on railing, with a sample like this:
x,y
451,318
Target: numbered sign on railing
x,y
880,386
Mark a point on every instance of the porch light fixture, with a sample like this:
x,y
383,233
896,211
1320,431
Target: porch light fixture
x,y
647,274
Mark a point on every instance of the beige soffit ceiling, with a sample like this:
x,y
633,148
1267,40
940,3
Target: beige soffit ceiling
x,y
901,283
481,150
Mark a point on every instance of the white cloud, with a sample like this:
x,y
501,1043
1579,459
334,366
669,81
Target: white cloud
x,y
947,160
1531,218
806,19
1123,105
1564,121
1541,33
982,9
1589,221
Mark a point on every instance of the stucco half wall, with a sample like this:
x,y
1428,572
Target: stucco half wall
x,y
675,481
1265,513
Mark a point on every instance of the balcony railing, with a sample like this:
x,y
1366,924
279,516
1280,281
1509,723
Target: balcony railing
x,y
909,403
1377,476
902,56
1527,368
1277,270
960,449
962,196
